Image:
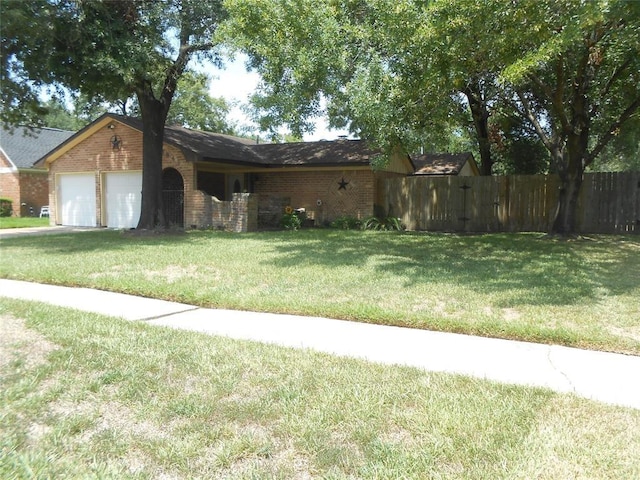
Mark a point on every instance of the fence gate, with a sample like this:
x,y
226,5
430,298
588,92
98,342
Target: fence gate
x,y
173,197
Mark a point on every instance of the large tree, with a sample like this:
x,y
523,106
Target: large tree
x,y
400,71
394,71
110,49
576,78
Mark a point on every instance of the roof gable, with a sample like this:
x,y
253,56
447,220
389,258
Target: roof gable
x,y
443,163
24,146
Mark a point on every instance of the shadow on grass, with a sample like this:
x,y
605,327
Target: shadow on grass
x,y
533,269
89,241
521,269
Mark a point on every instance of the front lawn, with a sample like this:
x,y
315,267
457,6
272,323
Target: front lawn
x,y
23,222
581,293
86,396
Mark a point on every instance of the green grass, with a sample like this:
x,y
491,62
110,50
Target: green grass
x,y
581,293
23,222
86,396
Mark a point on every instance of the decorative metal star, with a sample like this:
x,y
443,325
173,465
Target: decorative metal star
x,y
343,184
116,142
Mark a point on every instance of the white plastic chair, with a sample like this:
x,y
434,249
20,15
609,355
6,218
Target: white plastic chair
x,y
44,211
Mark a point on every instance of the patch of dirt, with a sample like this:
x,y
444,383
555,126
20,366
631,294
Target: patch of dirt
x,y
510,314
17,341
630,332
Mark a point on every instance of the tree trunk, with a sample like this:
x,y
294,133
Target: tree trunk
x,y
480,116
565,219
153,121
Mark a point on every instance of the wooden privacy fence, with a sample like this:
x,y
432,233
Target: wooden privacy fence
x,y
608,203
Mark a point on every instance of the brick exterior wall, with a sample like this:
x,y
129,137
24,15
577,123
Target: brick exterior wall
x,y
238,215
10,183
26,186
34,189
325,194
96,155
318,192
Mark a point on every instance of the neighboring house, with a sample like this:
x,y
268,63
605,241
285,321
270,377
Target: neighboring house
x,y
26,185
440,164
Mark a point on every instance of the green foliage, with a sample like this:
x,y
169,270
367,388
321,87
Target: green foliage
x,y
346,223
516,148
110,51
290,221
386,224
6,207
416,74
193,107
293,219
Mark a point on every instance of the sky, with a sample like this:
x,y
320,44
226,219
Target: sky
x,y
235,84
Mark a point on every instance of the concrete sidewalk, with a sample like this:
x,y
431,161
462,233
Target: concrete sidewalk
x,y
605,377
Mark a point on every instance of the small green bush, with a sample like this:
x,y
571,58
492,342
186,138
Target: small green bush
x,y
290,221
6,207
346,223
293,219
386,223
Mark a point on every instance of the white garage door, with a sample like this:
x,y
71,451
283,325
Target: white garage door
x,y
123,194
77,200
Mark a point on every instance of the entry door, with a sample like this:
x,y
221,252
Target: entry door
x,y
123,197
77,200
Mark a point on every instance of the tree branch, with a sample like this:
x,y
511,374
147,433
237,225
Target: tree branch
x,y
549,143
555,97
611,131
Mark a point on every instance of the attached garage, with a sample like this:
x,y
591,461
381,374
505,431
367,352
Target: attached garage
x,y
123,197
76,202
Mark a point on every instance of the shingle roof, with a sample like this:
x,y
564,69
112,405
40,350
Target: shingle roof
x,y
216,147
203,145
440,163
25,145
317,154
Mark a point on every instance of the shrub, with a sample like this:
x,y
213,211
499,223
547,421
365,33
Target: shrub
x,y
386,223
346,223
6,207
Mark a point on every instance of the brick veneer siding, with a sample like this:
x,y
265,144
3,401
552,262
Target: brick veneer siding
x,y
96,155
34,189
238,215
318,192
26,186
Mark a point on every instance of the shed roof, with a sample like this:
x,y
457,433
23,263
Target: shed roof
x,y
25,145
441,163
